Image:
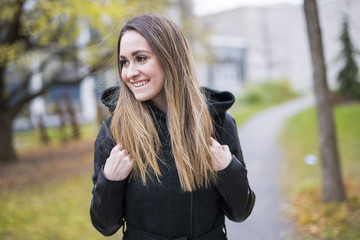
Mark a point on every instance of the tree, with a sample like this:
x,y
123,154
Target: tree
x,y
348,77
42,36
333,187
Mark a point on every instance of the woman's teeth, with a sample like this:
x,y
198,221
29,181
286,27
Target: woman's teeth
x,y
139,84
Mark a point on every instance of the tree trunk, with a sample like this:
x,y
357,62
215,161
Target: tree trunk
x,y
7,152
333,187
73,120
61,113
42,129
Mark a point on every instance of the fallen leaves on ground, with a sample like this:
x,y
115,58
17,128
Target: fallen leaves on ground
x,y
48,164
318,220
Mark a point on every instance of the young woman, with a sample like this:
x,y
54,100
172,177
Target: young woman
x,y
168,163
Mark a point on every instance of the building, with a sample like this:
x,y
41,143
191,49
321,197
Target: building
x,y
272,43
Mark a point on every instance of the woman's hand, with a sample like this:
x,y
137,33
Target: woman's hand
x,y
119,164
221,155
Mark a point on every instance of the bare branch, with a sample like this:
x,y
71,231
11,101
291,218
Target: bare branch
x,y
22,87
25,84
28,97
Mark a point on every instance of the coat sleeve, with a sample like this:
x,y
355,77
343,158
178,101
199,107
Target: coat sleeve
x,y
233,186
107,205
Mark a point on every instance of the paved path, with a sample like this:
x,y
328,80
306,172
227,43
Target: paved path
x,y
262,155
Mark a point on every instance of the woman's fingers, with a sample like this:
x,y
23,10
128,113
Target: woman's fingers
x,y
221,155
213,142
225,148
119,164
118,147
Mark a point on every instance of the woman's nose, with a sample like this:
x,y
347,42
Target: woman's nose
x,y
133,72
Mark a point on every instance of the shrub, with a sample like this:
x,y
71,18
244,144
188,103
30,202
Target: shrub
x,y
268,92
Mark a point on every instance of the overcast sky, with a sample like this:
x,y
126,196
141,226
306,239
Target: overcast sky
x,y
202,7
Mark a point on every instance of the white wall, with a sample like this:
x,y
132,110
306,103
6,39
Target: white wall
x,y
277,43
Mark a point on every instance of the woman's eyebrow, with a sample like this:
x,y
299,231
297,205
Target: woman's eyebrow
x,y
135,53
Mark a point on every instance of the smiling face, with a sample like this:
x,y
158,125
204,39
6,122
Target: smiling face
x,y
141,69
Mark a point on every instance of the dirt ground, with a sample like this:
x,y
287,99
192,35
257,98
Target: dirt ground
x,y
47,164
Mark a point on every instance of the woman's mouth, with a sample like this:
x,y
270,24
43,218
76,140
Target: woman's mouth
x,y
140,83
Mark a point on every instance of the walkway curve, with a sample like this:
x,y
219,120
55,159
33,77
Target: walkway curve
x,y
258,138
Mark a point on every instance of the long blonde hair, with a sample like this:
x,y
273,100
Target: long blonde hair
x,y
188,118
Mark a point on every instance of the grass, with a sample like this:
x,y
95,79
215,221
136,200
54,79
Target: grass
x,y
54,207
302,183
57,210
243,112
299,139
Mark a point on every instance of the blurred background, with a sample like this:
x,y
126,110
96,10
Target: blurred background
x,y
57,57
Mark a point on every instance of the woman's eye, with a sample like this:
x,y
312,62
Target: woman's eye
x,y
123,63
141,58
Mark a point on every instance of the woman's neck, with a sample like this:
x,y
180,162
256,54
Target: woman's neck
x,y
160,102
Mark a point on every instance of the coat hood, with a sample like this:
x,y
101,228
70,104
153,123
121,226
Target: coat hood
x,y
109,97
219,101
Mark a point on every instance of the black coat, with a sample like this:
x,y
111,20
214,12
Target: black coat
x,y
165,211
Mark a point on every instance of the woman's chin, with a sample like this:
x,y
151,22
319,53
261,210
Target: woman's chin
x,y
141,98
